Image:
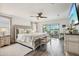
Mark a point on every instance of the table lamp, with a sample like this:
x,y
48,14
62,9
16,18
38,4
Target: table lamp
x,y
2,30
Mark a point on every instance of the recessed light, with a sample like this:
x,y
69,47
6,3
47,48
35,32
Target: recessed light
x,y
58,15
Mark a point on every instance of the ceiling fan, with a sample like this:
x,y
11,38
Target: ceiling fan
x,y
39,15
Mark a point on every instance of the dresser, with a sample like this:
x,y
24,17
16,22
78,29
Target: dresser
x,y
71,44
4,40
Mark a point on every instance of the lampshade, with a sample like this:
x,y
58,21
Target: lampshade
x,y
2,29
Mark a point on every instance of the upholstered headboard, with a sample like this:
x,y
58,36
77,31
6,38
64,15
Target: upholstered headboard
x,y
20,29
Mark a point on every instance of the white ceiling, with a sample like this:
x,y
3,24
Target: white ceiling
x,y
25,10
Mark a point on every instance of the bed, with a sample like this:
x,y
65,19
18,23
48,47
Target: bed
x,y
30,39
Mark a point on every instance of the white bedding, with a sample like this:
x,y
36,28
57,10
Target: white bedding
x,y
28,39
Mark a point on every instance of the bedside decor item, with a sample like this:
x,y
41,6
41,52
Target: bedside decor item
x,y
3,30
72,29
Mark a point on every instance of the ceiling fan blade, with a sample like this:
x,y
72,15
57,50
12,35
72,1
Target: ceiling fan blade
x,y
33,16
43,17
39,15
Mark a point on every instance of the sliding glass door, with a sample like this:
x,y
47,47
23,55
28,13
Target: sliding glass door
x,y
52,29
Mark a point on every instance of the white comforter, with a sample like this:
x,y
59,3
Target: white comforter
x,y
27,39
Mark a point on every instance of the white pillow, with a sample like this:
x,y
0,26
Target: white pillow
x,y
21,37
28,39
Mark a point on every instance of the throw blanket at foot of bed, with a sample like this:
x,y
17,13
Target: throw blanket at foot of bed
x,y
14,50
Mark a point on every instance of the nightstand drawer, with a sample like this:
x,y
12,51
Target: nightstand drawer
x,y
4,40
7,40
1,42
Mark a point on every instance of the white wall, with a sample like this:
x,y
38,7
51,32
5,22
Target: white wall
x,y
0,6
60,21
20,21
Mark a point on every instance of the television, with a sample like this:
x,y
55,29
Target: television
x,y
73,14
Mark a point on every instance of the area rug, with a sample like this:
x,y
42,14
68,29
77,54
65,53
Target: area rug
x,y
14,50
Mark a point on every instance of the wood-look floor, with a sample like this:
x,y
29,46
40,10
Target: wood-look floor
x,y
56,48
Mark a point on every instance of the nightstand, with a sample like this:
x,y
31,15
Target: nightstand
x,y
4,40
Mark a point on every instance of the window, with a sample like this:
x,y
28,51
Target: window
x,y
51,29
